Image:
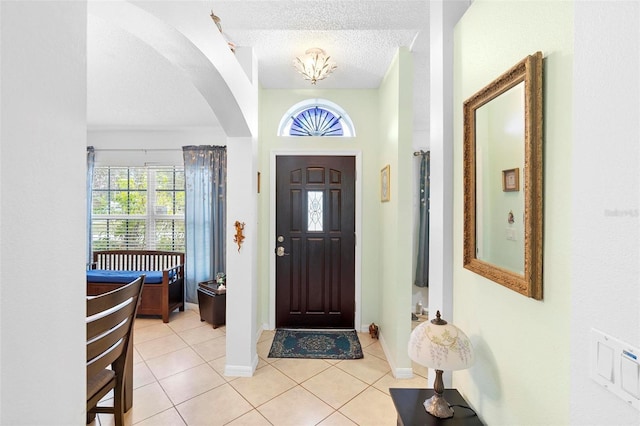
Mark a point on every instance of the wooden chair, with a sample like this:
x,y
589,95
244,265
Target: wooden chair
x,y
110,318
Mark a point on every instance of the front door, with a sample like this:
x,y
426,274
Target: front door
x,y
315,241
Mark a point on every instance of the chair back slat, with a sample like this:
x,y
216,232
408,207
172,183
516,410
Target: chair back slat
x,y
106,301
107,321
110,318
102,337
106,358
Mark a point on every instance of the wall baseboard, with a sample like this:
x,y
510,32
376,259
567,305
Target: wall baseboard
x,y
398,372
241,370
403,373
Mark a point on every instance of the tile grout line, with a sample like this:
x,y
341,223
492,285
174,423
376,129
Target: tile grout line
x,y
266,363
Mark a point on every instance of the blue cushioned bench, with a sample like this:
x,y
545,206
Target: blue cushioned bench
x,y
163,290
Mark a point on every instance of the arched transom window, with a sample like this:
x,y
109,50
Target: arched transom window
x,y
316,117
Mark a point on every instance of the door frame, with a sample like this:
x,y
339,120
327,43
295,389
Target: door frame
x,y
272,228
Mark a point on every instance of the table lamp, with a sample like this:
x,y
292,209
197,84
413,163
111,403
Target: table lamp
x,y
442,346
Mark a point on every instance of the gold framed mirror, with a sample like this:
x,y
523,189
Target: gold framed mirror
x,y
503,179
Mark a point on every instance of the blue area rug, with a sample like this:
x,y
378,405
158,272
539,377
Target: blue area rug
x,y
316,344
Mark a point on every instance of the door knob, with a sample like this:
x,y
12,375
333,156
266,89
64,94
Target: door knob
x,y
280,251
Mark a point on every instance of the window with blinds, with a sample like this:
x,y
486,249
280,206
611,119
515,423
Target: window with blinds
x,y
138,208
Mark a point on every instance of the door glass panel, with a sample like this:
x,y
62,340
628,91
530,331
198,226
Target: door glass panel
x,y
314,211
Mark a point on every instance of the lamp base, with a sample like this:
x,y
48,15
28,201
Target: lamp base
x,y
438,406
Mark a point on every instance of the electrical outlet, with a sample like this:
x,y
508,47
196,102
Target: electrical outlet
x,y
510,234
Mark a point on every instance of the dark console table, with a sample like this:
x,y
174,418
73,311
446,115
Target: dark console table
x,y
411,412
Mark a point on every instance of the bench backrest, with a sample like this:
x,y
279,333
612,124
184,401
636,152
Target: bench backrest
x,y
137,260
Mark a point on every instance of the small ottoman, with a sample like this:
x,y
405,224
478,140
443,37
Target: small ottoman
x,y
212,303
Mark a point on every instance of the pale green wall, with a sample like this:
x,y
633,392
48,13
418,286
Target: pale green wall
x,y
396,99
521,375
383,123
361,105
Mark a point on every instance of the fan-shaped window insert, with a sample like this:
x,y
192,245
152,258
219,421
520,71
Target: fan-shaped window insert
x,y
316,117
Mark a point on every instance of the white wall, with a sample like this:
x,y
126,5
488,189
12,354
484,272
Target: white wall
x,y
139,147
521,375
242,290
605,245
42,212
443,16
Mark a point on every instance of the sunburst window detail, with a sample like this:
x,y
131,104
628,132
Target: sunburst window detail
x,y
316,121
316,117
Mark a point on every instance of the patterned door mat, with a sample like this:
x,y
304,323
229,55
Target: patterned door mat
x,y
315,344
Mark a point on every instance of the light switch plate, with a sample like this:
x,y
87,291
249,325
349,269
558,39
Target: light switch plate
x,y
629,376
605,361
616,366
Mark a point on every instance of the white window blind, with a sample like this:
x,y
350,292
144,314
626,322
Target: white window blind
x,y
138,208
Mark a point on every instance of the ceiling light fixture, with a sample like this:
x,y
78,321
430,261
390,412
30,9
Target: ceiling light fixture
x,y
314,65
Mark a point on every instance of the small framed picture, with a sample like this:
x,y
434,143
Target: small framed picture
x,y
511,180
385,184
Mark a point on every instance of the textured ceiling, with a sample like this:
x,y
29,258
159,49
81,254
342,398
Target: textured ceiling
x,y
361,36
131,85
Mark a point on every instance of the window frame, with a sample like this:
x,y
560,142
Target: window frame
x,y
150,218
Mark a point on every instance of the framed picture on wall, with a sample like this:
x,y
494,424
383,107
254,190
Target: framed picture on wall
x,y
385,184
511,180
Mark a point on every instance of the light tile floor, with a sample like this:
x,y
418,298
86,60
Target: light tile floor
x,y
179,380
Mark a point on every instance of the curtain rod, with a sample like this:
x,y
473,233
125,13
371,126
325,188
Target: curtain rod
x,y
137,149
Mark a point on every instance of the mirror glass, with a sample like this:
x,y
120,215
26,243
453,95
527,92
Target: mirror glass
x,y
503,179
500,211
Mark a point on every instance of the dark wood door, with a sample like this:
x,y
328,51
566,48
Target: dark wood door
x,y
315,241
